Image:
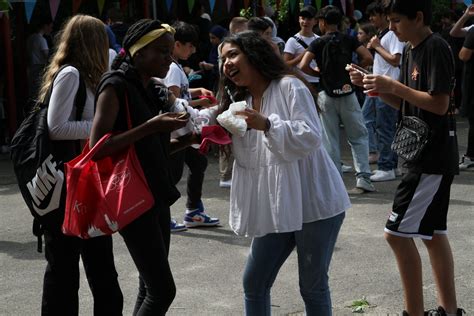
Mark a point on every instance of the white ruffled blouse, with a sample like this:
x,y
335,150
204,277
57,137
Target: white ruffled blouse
x,y
284,178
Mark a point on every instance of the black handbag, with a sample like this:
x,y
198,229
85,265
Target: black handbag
x,y
411,137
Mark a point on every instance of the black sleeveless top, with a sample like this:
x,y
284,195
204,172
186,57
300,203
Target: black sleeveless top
x,y
152,150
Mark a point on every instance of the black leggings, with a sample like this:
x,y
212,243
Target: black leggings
x,y
470,139
197,164
148,241
61,278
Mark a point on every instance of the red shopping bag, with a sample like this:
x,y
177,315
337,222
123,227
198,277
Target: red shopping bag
x,y
104,196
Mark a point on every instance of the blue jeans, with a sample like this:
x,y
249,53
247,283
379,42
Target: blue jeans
x,y
314,245
345,110
386,125
381,122
368,111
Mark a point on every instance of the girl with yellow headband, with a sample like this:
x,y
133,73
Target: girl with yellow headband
x,y
148,45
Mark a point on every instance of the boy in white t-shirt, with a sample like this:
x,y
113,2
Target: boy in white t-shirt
x,y
380,118
177,82
296,45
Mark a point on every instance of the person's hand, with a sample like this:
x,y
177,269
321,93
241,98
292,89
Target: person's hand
x,y
206,66
356,76
254,119
469,13
168,122
377,84
206,92
373,43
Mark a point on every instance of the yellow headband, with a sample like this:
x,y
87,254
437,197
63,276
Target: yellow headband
x,y
150,37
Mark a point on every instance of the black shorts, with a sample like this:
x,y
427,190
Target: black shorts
x,y
420,207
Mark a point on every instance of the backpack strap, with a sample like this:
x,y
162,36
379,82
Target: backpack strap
x,y
300,41
382,33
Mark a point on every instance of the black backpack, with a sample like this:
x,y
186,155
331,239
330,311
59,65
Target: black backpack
x,y
38,163
335,56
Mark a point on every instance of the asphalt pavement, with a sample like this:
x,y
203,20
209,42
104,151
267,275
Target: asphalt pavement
x,y
207,264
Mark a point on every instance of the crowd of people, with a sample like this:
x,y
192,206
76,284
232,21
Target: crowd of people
x,y
285,173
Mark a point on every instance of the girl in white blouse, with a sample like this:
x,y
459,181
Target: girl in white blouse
x,y
286,191
81,54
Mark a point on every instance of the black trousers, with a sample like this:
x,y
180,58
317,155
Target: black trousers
x,y
470,138
197,165
148,241
61,278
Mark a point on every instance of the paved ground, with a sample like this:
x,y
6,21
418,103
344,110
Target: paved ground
x,y
207,263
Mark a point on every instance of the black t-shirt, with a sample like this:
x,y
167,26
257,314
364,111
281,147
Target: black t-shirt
x,y
468,78
431,69
347,44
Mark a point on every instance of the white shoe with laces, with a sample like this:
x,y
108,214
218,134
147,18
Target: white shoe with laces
x,y
466,163
225,183
383,175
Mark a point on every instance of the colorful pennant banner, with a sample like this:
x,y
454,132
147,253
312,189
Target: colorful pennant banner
x,y
29,7
100,4
53,7
229,5
293,4
308,2
318,4
190,5
169,3
344,6
212,4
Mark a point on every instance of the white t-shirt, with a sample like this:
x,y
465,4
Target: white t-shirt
x,y
177,77
392,45
467,28
38,49
62,124
294,48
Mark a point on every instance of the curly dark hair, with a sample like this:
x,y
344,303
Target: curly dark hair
x,y
263,58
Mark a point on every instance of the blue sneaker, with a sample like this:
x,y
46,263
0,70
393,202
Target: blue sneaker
x,y
198,218
176,227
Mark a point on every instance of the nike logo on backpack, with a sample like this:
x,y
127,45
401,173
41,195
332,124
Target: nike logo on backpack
x,y
46,187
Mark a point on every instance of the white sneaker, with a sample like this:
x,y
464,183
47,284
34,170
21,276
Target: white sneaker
x,y
466,163
346,168
365,184
382,175
225,183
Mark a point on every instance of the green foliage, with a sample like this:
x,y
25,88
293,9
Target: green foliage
x,y
282,13
359,306
246,13
4,6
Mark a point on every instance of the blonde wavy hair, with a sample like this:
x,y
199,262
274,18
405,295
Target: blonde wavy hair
x,y
84,44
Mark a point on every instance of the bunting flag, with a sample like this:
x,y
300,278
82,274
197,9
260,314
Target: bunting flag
x,y
308,2
330,2
344,6
212,4
293,4
100,4
53,7
468,2
190,5
229,5
29,7
123,5
246,4
169,3
75,6
318,4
